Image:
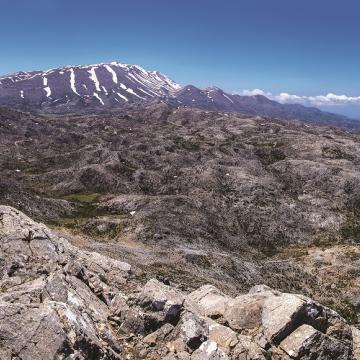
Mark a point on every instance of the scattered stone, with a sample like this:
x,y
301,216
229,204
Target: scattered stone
x,y
246,349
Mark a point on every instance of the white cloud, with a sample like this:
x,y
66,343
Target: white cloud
x,y
255,92
320,100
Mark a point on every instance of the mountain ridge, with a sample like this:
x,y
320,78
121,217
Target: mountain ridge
x,y
103,86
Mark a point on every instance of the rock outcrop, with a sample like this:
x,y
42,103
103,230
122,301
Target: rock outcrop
x,y
60,302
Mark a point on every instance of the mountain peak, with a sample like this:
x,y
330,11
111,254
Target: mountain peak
x,y
103,84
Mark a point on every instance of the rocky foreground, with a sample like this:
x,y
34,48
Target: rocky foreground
x,y
59,302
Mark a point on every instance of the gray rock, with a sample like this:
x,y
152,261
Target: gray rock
x,y
158,335
51,312
307,342
193,330
211,300
279,313
163,299
301,339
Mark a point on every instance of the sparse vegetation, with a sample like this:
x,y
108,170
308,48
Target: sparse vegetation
x,y
260,193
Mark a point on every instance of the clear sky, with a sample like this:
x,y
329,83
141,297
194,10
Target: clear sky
x,y
307,48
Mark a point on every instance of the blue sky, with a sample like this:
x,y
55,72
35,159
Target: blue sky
x,y
303,48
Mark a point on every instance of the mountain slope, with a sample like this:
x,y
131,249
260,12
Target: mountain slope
x,y
115,85
73,86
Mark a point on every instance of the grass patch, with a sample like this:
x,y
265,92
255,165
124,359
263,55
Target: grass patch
x,y
83,198
85,207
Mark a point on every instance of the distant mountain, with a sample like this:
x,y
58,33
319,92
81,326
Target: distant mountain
x,y
72,86
214,98
112,85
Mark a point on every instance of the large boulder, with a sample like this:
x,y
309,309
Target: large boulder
x,y
244,312
192,330
210,300
284,325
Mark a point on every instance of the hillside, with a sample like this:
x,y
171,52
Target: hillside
x,y
196,197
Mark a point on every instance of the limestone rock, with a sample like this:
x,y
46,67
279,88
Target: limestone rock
x,y
303,337
279,313
211,301
52,309
244,312
161,298
307,342
158,335
193,330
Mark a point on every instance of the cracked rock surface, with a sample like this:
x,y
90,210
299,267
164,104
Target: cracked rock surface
x,y
59,302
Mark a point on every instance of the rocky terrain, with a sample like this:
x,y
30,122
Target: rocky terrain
x,y
196,197
60,302
100,87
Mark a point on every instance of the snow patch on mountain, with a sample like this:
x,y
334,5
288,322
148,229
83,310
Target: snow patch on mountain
x,y
123,97
72,81
112,72
94,78
99,98
47,91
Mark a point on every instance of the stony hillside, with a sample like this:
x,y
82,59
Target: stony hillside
x,y
59,302
196,197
